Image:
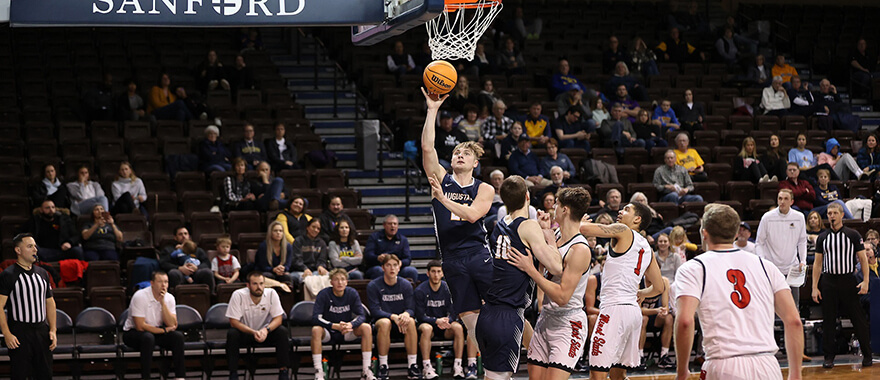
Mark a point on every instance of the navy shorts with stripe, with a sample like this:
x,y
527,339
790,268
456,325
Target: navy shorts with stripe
x,y
469,277
499,335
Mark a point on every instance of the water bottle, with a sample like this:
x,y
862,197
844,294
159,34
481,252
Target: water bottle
x,y
438,366
854,346
479,365
326,366
375,364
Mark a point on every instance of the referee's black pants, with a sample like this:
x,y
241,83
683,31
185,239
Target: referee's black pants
x,y
145,342
32,359
279,338
839,292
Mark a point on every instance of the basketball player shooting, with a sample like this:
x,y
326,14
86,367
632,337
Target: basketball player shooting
x,y
459,205
614,343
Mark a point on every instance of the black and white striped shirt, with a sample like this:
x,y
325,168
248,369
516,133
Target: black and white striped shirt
x,y
839,249
27,291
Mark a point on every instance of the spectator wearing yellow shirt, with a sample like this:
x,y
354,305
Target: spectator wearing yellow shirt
x,y
689,158
537,126
783,69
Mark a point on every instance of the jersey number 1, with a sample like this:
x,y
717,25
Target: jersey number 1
x,y
740,295
638,270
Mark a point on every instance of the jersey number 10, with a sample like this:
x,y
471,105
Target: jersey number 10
x,y
502,245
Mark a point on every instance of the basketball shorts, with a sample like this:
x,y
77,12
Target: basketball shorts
x,y
334,336
559,339
439,334
499,335
615,338
742,367
469,278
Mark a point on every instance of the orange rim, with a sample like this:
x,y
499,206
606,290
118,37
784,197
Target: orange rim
x,y
453,5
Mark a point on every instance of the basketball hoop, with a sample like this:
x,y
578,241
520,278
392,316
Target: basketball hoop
x,y
454,33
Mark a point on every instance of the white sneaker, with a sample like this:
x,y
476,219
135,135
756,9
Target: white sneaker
x,y
428,373
319,375
763,179
368,375
774,179
458,372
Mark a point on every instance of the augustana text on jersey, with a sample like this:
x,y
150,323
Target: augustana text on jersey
x,y
459,197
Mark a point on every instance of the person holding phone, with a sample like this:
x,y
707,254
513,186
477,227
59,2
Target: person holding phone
x,y
99,237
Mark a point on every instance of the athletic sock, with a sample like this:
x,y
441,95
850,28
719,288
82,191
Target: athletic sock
x,y
472,361
426,363
383,360
456,362
366,357
641,353
664,351
411,359
316,361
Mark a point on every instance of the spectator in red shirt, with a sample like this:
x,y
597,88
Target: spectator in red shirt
x,y
804,195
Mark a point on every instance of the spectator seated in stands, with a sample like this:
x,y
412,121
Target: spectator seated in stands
x,y
742,238
85,193
280,152
843,164
387,242
98,102
471,124
611,206
689,158
400,62
744,41
130,105
759,74
237,194
748,167
497,125
600,114
668,261
152,322
276,260
690,114
571,131
557,177
562,80
622,77
434,312
868,157
483,61
448,137
164,104
805,160
775,158
213,155
250,149
345,251
54,233
496,177
612,55
51,187
873,273
804,194
648,130
510,59
673,182
664,117
629,106
510,142
392,306
177,272
832,112
525,163
774,100
537,126
801,98
527,30
726,48
251,40
100,236
211,74
863,68
657,226
573,97
826,194
338,316
462,95
487,96
784,70
186,254
256,318
642,59
294,219
554,158
241,77
332,215
674,49
225,266
129,193
269,190
689,21
617,132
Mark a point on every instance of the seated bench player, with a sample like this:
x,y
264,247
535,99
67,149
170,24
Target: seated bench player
x,y
391,303
435,315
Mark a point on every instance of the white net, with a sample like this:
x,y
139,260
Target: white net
x,y
453,35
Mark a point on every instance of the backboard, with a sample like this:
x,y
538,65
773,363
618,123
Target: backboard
x,y
400,16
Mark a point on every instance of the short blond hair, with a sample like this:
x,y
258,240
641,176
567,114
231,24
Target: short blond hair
x,y
338,272
473,146
223,240
721,222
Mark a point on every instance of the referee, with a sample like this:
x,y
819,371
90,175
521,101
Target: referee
x,y
836,251
28,336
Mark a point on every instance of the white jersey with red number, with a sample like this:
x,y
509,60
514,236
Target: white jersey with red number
x,y
623,272
577,298
736,290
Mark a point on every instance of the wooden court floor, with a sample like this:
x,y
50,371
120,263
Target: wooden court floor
x,y
839,372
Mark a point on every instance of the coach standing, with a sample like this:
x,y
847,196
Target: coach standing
x,y
782,238
836,251
28,336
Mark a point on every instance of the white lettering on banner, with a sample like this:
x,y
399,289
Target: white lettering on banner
x,y
221,7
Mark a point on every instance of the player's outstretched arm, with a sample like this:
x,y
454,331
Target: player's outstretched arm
x,y
429,154
618,231
684,334
547,254
473,212
794,331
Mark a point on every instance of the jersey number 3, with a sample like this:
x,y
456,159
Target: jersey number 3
x,y
740,295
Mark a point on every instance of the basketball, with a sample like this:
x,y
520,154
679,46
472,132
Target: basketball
x,y
439,77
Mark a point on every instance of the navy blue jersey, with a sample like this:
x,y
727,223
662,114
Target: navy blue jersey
x,y
385,300
431,305
510,286
330,309
456,236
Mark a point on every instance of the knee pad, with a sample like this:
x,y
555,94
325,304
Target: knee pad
x,y
492,375
470,322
